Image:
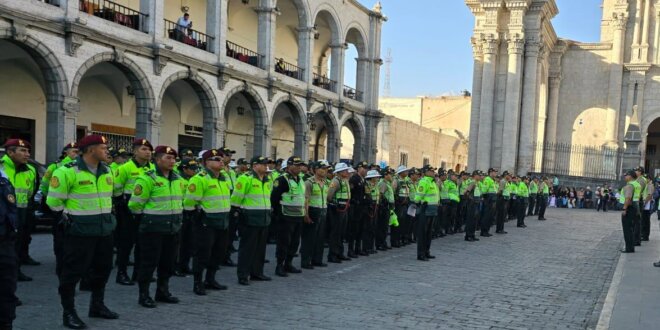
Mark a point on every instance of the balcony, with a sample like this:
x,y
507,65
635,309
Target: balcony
x,y
114,12
187,35
243,54
352,93
324,82
289,69
55,3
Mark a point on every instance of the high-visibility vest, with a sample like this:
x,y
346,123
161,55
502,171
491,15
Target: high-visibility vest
x,y
293,201
490,187
372,190
533,188
506,191
622,198
24,181
160,200
126,175
45,181
343,194
476,192
427,191
211,195
638,191
464,185
452,190
403,188
523,190
389,193
85,197
514,188
319,194
545,188
252,196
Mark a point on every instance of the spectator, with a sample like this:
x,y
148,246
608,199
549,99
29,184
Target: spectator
x,y
588,198
580,198
182,25
555,184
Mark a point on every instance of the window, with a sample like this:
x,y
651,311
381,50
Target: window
x,y
426,161
273,152
403,159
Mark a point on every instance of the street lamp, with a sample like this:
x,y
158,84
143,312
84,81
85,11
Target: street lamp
x,y
240,110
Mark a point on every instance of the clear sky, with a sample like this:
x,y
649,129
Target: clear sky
x,y
430,42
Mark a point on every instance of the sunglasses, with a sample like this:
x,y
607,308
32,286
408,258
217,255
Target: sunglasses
x,y
214,159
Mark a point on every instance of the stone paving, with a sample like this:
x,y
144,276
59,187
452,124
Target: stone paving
x,y
551,275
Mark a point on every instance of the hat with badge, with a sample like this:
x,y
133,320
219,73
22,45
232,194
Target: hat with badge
x,y
320,164
190,164
242,161
259,160
362,164
143,142
631,173
226,151
640,169
211,153
505,173
490,170
340,167
91,140
294,160
428,167
187,152
71,145
17,143
372,174
165,150
386,171
476,172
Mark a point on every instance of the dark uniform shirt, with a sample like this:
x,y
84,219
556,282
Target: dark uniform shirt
x,y
358,194
8,212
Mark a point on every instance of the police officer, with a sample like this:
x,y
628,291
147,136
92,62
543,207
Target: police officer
x,y
533,194
127,227
523,199
187,169
647,199
358,226
157,205
439,224
473,196
543,198
465,181
503,196
8,260
24,178
81,194
489,194
385,208
207,198
401,186
645,215
427,198
339,195
313,229
251,202
630,211
288,202
640,184
119,157
451,186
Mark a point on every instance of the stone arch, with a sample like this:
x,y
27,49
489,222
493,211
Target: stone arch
x,y
56,88
354,29
303,12
333,20
147,118
355,125
356,36
261,120
299,121
331,128
207,98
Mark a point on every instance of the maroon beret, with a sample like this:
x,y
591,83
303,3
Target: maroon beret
x,y
71,145
165,150
143,142
91,140
211,153
17,143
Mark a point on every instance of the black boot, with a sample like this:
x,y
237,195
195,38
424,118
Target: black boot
x,y
71,320
98,309
279,270
198,286
163,292
144,299
289,268
211,283
123,279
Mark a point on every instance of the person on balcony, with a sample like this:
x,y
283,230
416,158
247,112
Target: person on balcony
x,y
182,25
279,66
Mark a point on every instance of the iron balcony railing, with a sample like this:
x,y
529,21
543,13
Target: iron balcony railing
x,y
114,12
243,54
352,93
187,35
598,162
324,82
289,69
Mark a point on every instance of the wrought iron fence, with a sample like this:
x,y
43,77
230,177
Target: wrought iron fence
x,y
289,69
352,93
114,12
324,82
243,54
599,162
187,35
118,141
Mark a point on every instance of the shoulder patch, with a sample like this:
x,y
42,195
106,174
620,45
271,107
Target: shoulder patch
x,y
192,187
138,190
108,180
420,189
333,184
276,183
239,186
11,198
54,182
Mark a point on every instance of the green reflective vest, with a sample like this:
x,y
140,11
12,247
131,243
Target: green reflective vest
x,y
372,190
506,191
533,188
252,196
444,194
476,192
513,187
49,173
452,190
427,191
389,193
523,190
638,191
318,194
464,185
126,175
160,200
343,194
403,187
622,198
545,188
293,201
489,185
85,197
211,195
24,180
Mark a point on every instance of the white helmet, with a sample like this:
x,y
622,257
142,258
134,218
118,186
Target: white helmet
x,y
340,167
372,174
401,169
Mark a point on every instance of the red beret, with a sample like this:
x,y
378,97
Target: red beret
x,y
71,145
143,142
91,140
17,143
211,153
165,150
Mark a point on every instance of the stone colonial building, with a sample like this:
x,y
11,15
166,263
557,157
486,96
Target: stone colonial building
x,y
260,76
546,104
434,112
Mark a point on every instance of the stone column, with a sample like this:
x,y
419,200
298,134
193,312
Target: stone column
x,y
644,51
490,47
551,124
71,11
635,42
529,97
154,23
61,115
266,42
477,76
305,50
216,16
361,83
612,120
512,103
148,126
338,52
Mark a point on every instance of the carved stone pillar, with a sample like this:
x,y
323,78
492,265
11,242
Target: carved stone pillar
x,y
477,76
266,43
613,125
529,97
338,52
516,46
490,47
305,50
